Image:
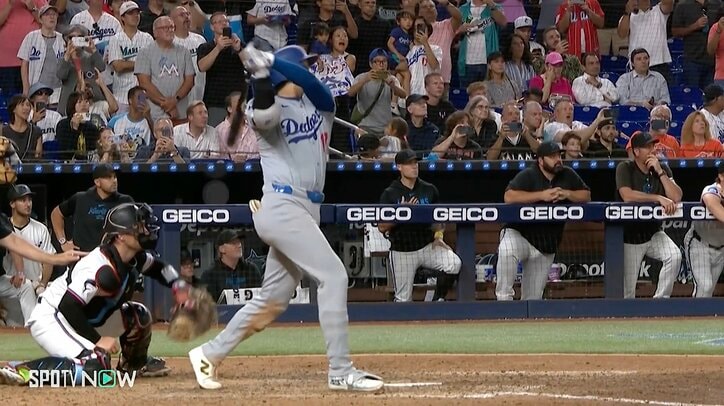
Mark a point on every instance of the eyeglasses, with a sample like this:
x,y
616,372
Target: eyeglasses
x,y
166,27
42,93
379,61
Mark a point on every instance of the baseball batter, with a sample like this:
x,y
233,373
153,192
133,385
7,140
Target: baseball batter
x,y
79,318
292,113
704,242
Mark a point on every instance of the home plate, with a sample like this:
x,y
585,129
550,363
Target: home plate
x,y
411,384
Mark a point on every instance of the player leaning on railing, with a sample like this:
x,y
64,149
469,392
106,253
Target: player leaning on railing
x,y
292,113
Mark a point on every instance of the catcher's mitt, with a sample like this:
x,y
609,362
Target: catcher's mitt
x,y
192,318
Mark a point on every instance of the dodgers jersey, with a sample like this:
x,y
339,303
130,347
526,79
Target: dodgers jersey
x,y
295,152
711,232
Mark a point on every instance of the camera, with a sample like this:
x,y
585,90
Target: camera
x,y
466,130
515,127
80,42
658,124
40,106
226,32
86,118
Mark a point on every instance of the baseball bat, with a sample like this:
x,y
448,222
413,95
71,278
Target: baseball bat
x,y
347,124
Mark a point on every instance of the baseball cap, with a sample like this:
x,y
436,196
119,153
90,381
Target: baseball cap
x,y
45,9
19,191
405,157
128,6
523,21
186,258
378,52
368,142
36,87
554,58
228,236
414,98
711,93
548,148
103,171
603,123
642,139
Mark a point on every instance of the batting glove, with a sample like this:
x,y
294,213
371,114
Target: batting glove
x,y
256,61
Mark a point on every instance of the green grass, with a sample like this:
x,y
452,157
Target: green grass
x,y
659,336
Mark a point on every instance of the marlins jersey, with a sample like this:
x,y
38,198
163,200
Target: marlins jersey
x,y
295,153
123,48
101,32
712,231
48,124
37,234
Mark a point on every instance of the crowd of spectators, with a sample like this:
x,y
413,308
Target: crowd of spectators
x,y
94,80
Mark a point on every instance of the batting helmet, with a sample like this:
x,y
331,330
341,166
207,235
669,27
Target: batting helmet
x,y
291,53
133,218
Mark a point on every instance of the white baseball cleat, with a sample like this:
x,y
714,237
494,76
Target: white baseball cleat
x,y
357,380
204,370
9,376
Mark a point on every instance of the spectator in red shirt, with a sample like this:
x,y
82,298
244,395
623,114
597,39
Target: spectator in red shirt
x,y
715,47
17,19
578,20
696,140
551,82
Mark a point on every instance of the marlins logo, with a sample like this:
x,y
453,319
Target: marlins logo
x,y
167,68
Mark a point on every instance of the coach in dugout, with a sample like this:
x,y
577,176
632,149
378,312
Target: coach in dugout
x,y
535,244
413,246
644,179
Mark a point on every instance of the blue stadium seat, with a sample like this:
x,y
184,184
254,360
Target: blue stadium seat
x,y
630,127
50,150
614,63
585,114
633,113
677,62
680,112
612,76
4,116
675,129
676,46
686,95
459,98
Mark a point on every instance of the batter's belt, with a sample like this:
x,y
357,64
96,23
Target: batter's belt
x,y
314,197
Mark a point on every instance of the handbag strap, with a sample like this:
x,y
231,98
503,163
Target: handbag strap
x,y
374,103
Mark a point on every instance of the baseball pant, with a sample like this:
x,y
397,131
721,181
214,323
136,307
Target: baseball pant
x,y
54,334
514,249
25,294
290,226
706,264
659,247
404,265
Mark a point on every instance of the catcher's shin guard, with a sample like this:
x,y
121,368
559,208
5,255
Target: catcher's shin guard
x,y
88,361
136,339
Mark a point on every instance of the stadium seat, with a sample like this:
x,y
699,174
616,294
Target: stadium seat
x,y
675,129
680,112
686,95
585,114
4,116
633,113
630,127
617,64
50,150
612,76
459,98
676,46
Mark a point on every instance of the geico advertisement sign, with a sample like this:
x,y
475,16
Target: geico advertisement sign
x,y
402,214
700,213
189,216
641,213
551,213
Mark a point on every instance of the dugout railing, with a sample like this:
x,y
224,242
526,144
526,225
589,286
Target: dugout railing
x,y
613,217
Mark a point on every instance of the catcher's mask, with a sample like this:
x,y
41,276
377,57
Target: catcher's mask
x,y
136,219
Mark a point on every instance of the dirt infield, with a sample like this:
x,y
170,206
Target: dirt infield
x,y
443,379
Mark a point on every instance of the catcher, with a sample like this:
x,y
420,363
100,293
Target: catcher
x,y
79,317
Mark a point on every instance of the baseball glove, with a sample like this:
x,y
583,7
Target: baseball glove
x,y
194,317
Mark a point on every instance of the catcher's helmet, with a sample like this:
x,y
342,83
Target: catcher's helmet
x,y
291,53
132,218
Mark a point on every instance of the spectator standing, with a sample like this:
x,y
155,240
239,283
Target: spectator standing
x,y
101,28
245,146
438,109
270,19
44,118
153,10
610,40
646,28
422,134
231,270
590,89
26,138
499,88
552,41
548,181
443,34
523,27
375,31
518,66
17,19
197,135
191,41
715,48
666,147
331,12
643,179
67,10
162,148
221,60
123,49
423,57
79,68
579,22
696,138
166,72
456,142
713,110
642,86
692,19
482,19
416,245
40,52
88,211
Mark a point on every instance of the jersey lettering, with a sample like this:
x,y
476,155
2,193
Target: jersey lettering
x,y
295,131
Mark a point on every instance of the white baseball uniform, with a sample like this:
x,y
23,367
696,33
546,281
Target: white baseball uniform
x,y
704,249
101,32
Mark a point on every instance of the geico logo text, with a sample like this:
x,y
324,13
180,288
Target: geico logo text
x,y
465,214
551,213
205,216
635,213
379,214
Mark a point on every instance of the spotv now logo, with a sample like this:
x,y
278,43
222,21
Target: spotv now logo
x,y
107,378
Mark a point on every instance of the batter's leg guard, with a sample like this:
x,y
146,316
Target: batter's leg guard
x,y
135,341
